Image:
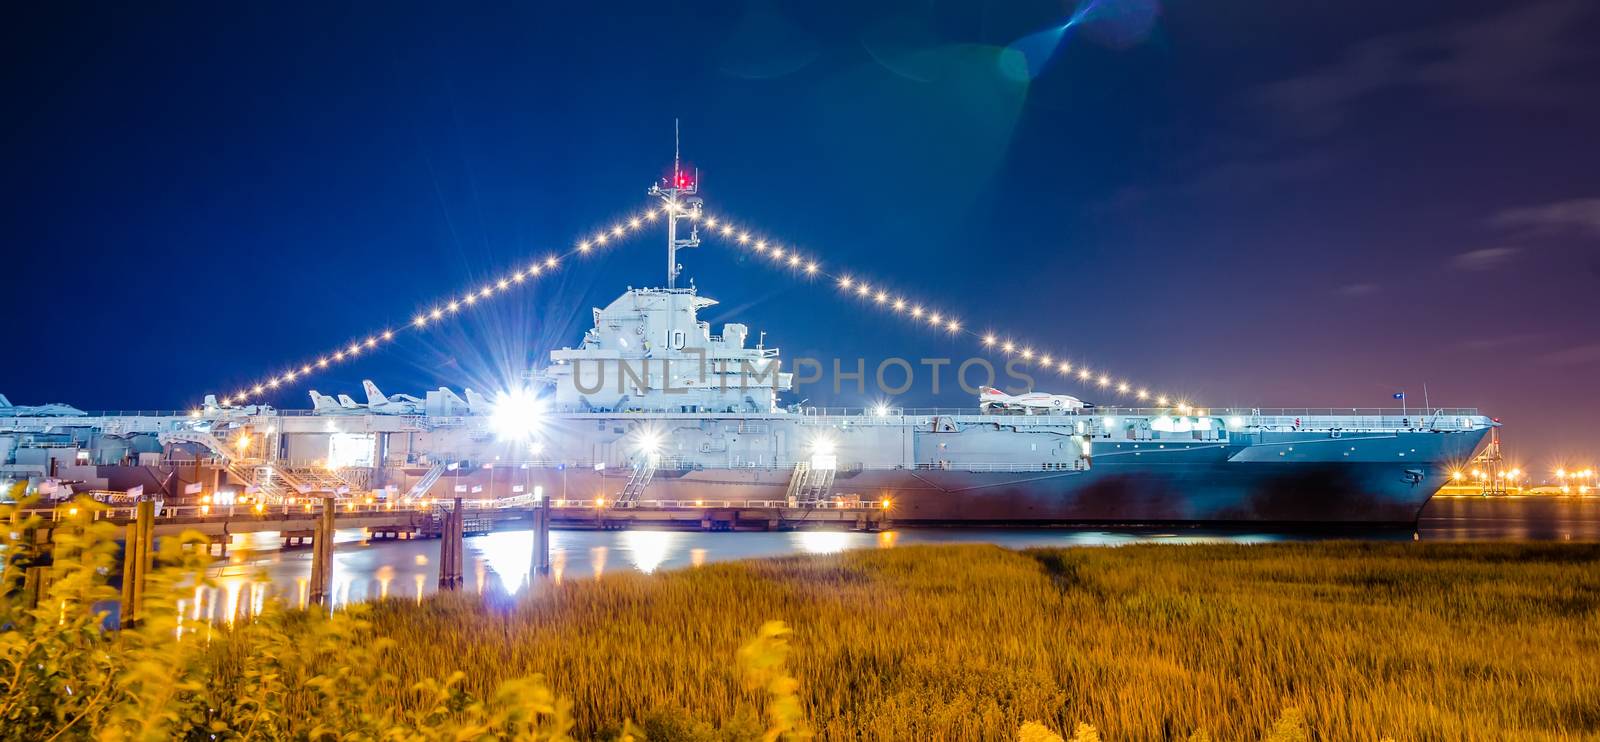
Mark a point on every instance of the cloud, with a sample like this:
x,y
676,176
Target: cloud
x,y
1509,57
1579,355
1484,259
1574,215
1501,342
1358,289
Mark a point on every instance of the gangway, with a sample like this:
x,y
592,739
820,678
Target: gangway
x,y
525,500
315,479
818,484
643,472
796,479
426,482
809,484
258,477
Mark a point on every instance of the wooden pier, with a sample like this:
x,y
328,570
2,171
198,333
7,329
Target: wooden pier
x,y
299,522
316,522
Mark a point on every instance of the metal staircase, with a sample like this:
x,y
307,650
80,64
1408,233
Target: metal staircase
x,y
262,478
426,482
315,479
198,437
643,472
795,480
527,499
273,482
810,485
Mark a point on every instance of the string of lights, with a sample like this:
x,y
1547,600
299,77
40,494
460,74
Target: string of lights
x,y
878,294
434,314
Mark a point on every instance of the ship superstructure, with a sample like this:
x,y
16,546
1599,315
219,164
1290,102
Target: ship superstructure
x,y
649,351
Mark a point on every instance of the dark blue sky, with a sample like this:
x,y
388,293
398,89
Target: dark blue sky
x,y
1259,203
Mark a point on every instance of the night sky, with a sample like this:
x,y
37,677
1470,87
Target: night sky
x,y
1251,203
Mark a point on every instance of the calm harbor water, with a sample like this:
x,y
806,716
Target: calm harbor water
x,y
259,567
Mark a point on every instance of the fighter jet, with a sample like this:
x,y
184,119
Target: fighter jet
x,y
322,404
476,403
447,402
212,409
991,399
399,404
53,409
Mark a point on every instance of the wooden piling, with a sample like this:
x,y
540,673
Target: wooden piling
x,y
35,585
450,550
147,557
322,557
137,560
130,553
541,538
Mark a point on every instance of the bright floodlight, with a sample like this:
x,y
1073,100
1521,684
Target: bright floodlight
x,y
648,442
823,454
516,415
881,410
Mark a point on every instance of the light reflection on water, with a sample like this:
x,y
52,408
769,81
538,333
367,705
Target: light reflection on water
x,y
258,566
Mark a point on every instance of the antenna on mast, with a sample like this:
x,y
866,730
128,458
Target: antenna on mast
x,y
679,201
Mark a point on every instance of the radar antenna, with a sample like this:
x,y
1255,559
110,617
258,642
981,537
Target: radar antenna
x,y
680,201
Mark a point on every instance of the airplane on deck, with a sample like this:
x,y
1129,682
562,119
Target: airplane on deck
x,y
991,399
477,403
213,409
322,404
399,404
53,409
474,404
377,403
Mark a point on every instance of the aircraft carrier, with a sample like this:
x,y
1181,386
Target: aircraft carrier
x,y
654,409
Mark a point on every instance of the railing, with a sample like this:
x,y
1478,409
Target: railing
x,y
314,506
872,412
1357,423
172,513
837,504
639,480
1075,465
842,468
894,412
201,460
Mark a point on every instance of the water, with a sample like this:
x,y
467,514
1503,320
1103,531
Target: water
x,y
366,570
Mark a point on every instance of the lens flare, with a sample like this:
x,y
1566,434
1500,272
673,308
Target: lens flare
x,y
1114,23
517,415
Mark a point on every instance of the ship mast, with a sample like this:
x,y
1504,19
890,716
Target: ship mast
x,y
681,202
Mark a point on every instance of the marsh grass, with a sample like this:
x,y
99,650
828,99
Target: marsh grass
x,y
1362,640
1226,642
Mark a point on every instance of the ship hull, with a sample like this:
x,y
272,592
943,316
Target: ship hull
x,y
1300,479
1200,493
929,469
